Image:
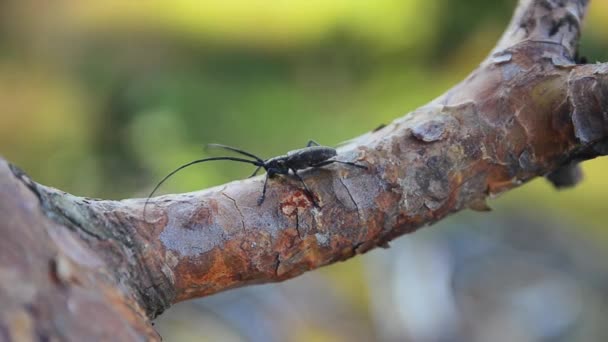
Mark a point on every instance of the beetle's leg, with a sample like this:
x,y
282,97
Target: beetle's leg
x,y
269,173
312,143
308,192
261,199
323,163
361,166
331,161
256,171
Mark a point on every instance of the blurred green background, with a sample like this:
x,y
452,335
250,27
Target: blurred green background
x,y
102,99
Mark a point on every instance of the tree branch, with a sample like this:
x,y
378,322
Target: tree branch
x,y
527,111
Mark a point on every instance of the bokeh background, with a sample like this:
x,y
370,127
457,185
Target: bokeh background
x,y
101,99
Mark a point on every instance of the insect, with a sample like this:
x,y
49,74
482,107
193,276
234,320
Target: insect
x,y
313,156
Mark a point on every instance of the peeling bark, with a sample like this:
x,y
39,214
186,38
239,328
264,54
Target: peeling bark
x,y
529,110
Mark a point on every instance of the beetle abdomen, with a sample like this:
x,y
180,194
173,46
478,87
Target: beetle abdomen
x,y
310,156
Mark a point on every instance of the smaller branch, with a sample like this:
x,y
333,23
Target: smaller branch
x,y
550,21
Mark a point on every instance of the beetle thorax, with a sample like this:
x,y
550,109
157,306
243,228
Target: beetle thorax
x,y
278,163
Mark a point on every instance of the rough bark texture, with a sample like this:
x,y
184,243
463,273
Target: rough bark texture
x,y
80,268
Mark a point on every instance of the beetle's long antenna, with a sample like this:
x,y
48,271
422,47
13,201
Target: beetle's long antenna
x,y
237,150
256,163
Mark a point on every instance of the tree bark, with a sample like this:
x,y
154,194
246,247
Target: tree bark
x,y
78,268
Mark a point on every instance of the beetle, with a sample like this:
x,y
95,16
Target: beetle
x,y
313,155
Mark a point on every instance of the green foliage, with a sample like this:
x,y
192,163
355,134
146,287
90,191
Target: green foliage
x,y
104,98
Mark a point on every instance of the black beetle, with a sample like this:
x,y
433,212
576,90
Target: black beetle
x,y
313,155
